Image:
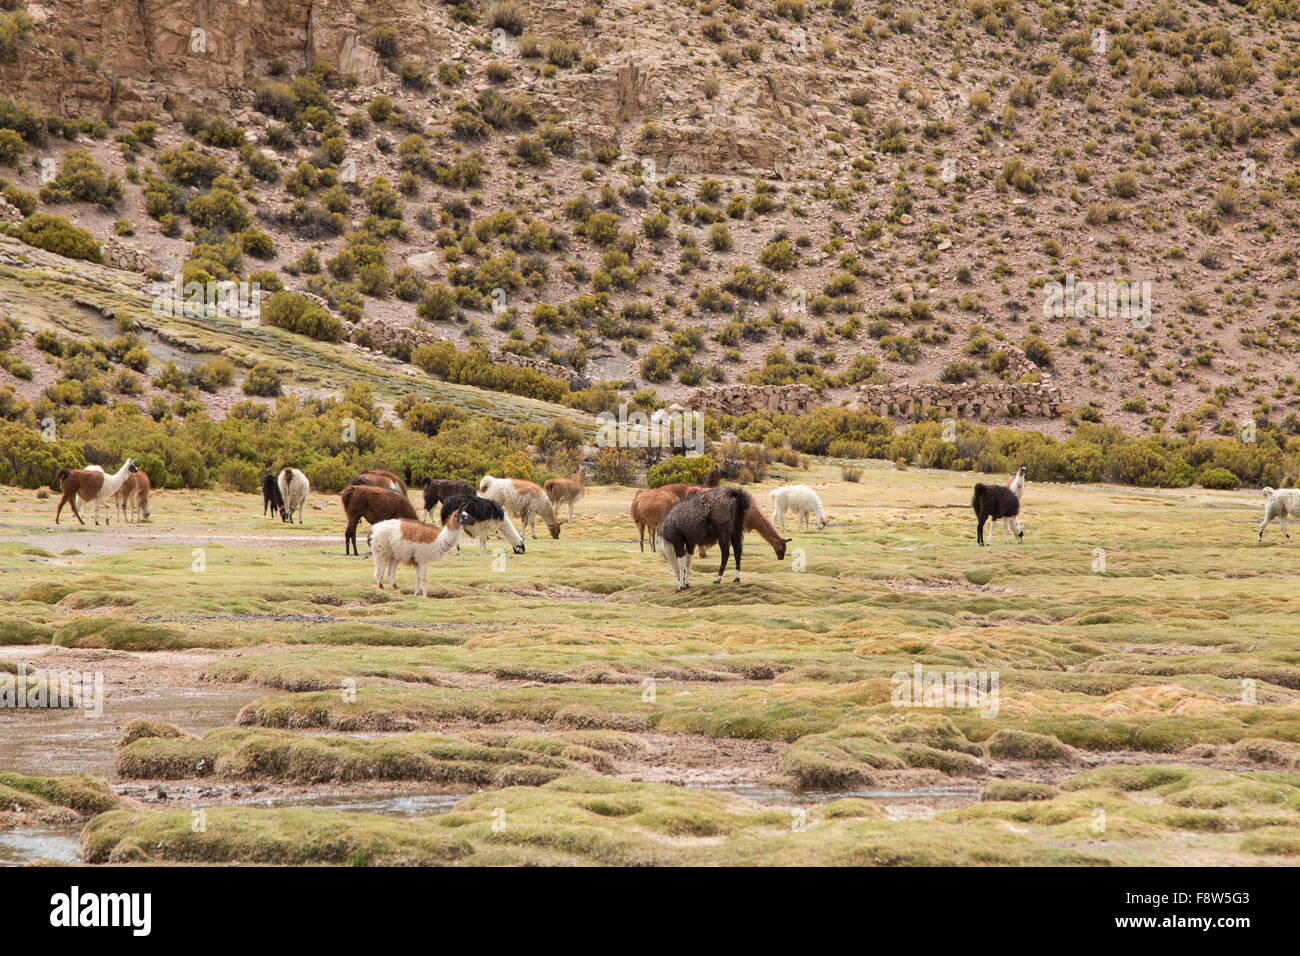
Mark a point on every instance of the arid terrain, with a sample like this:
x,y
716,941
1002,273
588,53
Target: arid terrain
x,y
680,194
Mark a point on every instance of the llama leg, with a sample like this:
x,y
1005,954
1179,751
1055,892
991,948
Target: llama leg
x,y
979,532
1284,531
422,579
780,516
737,546
350,538
725,547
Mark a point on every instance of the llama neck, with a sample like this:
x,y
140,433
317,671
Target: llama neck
x,y
755,520
447,539
112,483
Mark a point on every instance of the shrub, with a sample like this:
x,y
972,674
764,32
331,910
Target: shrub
x,y
297,313
263,380
1219,478
56,234
693,470
81,180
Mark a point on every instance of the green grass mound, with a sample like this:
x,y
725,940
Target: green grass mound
x,y
844,759
283,836
1018,791
25,799
283,756
1022,745
119,635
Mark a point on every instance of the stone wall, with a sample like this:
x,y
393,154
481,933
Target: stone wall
x,y
739,399
1042,398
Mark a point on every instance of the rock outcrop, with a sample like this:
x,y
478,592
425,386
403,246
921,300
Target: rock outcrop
x,y
149,58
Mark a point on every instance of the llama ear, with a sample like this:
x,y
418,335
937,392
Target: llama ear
x,y
786,540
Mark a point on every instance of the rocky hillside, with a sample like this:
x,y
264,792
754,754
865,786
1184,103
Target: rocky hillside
x,y
845,194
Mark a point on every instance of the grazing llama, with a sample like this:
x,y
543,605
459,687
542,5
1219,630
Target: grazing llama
x,y
649,505
488,517
1281,503
996,501
294,487
90,484
440,489
803,501
132,498
524,500
567,491
272,500
379,478
701,520
755,520
403,541
373,504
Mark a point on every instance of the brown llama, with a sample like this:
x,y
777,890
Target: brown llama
x,y
86,485
132,499
567,491
649,505
378,478
373,504
440,489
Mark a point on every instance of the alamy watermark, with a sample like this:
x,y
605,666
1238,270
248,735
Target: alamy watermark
x,y
977,690
235,301
665,428
1088,300
53,690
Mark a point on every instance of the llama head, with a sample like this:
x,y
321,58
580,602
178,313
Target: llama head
x,y
130,466
519,548
1024,471
780,548
554,527
466,519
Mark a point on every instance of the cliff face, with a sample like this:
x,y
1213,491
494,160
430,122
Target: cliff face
x,y
136,59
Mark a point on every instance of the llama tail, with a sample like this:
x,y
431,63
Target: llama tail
x,y
61,474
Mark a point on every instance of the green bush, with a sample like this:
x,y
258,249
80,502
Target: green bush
x,y
1219,478
693,470
297,313
56,234
81,180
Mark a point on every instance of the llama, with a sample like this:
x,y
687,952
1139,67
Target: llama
x,y
378,478
488,517
996,501
440,489
272,500
803,501
402,541
373,504
524,500
1281,503
1017,486
702,519
1017,482
294,487
90,484
132,499
649,505
755,520
567,491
